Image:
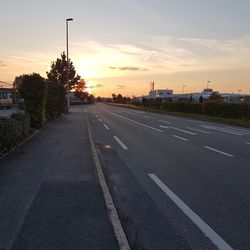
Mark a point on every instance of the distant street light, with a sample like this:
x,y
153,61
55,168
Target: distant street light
x,y
183,87
67,50
208,83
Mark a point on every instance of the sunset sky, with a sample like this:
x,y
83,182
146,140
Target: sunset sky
x,y
121,46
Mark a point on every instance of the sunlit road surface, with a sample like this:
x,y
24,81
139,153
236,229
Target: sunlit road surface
x,y
188,180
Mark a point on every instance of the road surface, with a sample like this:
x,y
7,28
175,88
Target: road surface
x,y
178,183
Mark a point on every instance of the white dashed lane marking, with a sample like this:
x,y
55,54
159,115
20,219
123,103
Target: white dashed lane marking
x,y
164,121
199,130
121,143
105,126
181,138
218,151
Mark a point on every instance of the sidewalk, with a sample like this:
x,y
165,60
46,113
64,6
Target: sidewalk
x,y
50,196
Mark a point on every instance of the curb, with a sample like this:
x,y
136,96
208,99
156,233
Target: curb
x,y
112,212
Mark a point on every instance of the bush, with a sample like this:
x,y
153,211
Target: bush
x,y
55,102
227,110
23,124
185,107
219,109
13,130
34,91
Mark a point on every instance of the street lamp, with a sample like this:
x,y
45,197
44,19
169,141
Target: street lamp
x,y
183,87
67,50
208,83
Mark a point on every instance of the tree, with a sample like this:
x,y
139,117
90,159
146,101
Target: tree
x,y
201,99
58,72
98,99
90,99
81,86
119,98
191,98
80,92
18,81
114,97
215,97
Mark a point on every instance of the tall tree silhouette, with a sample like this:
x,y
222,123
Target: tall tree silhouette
x,y
58,72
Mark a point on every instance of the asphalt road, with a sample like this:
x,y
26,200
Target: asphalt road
x,y
177,183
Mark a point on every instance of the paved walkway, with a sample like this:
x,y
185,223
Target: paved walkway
x,y
50,197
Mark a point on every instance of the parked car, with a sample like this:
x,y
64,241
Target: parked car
x,y
6,103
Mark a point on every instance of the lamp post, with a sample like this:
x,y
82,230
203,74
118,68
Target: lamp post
x,y
67,51
208,83
183,87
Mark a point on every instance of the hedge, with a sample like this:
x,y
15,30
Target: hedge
x,y
13,130
43,100
33,90
239,111
55,102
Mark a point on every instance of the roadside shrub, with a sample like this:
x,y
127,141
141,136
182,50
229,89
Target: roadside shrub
x,y
23,124
55,102
185,107
34,91
211,108
227,110
13,130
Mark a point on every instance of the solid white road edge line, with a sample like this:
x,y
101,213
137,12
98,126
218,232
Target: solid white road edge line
x,y
199,130
218,151
139,123
105,126
181,138
121,143
202,225
112,212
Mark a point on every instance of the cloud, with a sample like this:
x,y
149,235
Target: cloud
x,y
128,68
98,86
2,64
120,86
95,86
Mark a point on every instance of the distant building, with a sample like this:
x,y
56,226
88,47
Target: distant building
x,y
160,93
166,94
6,93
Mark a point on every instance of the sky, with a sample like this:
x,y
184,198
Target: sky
x,y
120,46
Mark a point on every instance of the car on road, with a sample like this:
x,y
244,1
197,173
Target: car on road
x,y
6,103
